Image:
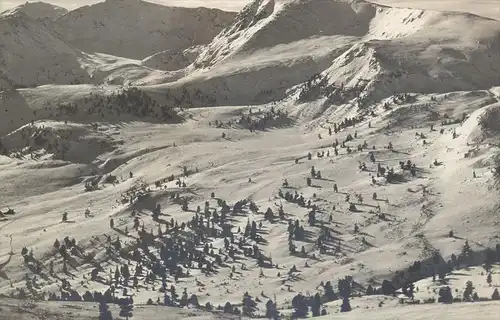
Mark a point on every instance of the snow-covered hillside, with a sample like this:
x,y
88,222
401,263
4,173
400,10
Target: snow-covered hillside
x,y
87,311
14,309
311,158
79,103
425,52
484,8
137,29
170,60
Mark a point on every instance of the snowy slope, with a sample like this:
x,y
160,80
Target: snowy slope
x,y
484,8
267,23
483,311
170,60
15,309
137,29
108,69
79,103
87,311
416,224
426,52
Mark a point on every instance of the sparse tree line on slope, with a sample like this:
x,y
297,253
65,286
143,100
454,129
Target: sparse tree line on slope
x,y
302,305
130,101
176,255
185,245
259,120
43,76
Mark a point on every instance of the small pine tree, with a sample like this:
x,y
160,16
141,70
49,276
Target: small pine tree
x,y
104,313
490,259
228,308
445,295
369,290
469,289
475,297
269,215
329,293
126,310
387,288
117,275
495,296
271,310
194,300
300,308
316,305
465,255
346,306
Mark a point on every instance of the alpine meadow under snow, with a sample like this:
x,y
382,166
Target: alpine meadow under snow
x,y
337,159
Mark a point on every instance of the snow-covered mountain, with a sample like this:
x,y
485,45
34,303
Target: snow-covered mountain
x,y
31,55
42,44
38,10
137,29
389,49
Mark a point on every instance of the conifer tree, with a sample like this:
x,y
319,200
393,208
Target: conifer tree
x,y
271,310
495,296
104,313
126,310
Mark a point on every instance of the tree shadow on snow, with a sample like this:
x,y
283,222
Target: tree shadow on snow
x,y
326,179
124,234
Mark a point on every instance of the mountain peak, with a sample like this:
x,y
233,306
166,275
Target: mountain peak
x,y
38,10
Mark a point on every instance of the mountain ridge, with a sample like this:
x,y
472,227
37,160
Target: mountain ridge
x,y
115,26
